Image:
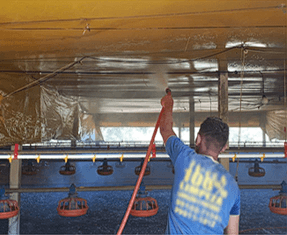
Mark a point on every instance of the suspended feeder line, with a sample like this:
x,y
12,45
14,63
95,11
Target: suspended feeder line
x,y
124,188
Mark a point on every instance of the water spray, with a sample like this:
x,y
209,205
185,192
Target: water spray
x,y
124,221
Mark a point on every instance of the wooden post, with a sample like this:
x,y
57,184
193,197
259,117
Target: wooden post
x,y
15,182
223,99
191,122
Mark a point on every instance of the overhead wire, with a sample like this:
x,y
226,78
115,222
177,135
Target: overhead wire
x,y
145,16
44,78
243,54
70,65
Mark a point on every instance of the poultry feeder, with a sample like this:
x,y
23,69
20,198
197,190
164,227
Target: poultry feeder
x,y
72,206
144,206
278,204
105,169
256,170
8,207
67,169
139,168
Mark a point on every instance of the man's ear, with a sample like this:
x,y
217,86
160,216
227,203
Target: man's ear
x,y
224,148
198,139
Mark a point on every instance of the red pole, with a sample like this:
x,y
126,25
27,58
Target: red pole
x,y
124,221
16,151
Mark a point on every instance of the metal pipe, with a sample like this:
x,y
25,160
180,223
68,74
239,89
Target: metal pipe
x,y
123,150
125,188
157,159
64,155
270,162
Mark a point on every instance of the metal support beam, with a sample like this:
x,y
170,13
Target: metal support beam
x,y
15,182
263,127
223,100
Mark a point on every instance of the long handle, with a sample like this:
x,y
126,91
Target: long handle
x,y
124,221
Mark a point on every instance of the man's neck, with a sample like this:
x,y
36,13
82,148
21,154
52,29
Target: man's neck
x,y
211,154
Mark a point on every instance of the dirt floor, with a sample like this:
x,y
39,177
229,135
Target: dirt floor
x,y
106,210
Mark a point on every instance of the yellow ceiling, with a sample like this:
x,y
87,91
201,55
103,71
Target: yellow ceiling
x,y
118,56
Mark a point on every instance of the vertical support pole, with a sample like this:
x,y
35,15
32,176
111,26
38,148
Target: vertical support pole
x,y
75,130
263,126
223,99
191,122
15,182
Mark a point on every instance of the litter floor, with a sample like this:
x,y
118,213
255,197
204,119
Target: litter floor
x,y
106,210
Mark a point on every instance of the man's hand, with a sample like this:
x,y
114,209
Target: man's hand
x,y
167,101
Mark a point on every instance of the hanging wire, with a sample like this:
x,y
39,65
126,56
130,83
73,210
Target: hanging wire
x,y
244,52
145,16
237,166
43,79
71,65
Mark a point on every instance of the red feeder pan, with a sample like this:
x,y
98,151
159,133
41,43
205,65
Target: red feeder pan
x,y
8,208
72,207
256,171
259,172
67,169
105,169
278,204
139,168
144,207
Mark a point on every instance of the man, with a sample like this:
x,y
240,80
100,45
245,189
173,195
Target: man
x,y
205,198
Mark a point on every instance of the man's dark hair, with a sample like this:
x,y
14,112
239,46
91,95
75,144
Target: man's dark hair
x,y
215,131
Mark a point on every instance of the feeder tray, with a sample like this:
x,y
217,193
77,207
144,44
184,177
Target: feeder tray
x,y
139,168
278,204
29,170
72,207
256,171
8,208
105,169
144,207
67,169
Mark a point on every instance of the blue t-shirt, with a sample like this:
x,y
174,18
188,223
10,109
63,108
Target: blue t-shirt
x,y
204,194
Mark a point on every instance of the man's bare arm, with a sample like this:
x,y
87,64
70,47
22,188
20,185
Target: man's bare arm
x,y
233,225
166,122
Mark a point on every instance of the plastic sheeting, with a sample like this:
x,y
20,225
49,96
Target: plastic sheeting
x,y
41,114
20,118
275,123
60,115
